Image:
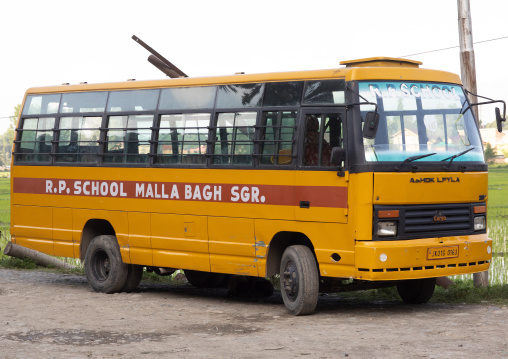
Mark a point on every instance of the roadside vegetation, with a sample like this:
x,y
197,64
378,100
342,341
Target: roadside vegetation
x,y
462,292
5,213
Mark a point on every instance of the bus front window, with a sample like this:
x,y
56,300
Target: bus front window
x,y
418,119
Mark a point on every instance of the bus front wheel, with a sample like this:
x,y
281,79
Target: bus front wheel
x,y
416,291
299,280
104,268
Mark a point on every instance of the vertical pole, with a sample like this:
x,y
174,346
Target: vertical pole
x,y
467,63
468,75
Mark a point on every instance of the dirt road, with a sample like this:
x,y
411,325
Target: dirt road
x,y
48,315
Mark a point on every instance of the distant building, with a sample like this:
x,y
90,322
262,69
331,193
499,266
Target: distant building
x,y
498,140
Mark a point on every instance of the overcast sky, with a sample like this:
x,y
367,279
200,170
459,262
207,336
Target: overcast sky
x,y
52,42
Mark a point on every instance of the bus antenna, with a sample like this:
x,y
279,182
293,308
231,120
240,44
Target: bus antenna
x,y
160,61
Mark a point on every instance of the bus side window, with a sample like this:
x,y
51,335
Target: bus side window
x,y
322,133
132,148
167,140
277,132
83,102
133,100
234,138
128,139
182,139
35,138
333,130
41,104
78,140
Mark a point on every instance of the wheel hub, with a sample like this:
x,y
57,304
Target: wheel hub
x,y
101,265
290,281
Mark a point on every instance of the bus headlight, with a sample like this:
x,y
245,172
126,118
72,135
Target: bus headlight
x,y
386,229
479,223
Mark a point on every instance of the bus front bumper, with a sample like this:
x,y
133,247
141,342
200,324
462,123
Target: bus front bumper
x,y
422,258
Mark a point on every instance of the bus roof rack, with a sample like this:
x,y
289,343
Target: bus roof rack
x,y
381,62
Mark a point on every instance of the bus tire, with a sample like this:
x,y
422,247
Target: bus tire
x,y
134,275
200,279
104,268
299,280
416,291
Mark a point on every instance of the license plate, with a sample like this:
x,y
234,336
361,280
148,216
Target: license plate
x,y
443,252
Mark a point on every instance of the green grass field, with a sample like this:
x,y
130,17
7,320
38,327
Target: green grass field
x,y
498,208
5,212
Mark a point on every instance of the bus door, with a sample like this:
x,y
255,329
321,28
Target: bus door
x,y
320,193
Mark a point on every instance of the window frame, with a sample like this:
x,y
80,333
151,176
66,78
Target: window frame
x,y
261,133
17,141
332,109
124,154
213,132
56,140
155,139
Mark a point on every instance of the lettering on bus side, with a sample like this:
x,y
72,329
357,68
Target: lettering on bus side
x,y
194,192
86,188
268,194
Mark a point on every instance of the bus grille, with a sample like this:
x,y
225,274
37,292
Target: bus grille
x,y
419,220
437,220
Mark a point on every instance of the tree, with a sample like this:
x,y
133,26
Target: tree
x,y
7,138
493,124
14,120
490,155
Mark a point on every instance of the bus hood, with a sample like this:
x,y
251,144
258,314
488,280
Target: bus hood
x,y
429,187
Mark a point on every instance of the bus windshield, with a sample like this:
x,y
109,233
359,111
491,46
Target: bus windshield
x,y
417,119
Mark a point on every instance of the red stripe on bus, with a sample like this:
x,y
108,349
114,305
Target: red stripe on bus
x,y
317,196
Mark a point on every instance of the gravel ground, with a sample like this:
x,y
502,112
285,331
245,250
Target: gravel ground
x,y
51,315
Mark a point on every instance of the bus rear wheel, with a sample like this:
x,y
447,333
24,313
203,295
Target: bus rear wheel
x,y
299,280
416,291
104,268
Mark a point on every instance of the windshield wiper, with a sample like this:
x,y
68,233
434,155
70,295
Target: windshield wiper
x,y
451,158
413,158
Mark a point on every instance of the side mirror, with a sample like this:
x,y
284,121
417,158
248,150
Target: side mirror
x,y
338,155
499,120
370,125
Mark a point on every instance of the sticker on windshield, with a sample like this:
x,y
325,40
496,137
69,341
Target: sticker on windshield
x,y
415,90
430,123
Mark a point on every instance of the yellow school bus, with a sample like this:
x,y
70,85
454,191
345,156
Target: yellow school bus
x,y
368,174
